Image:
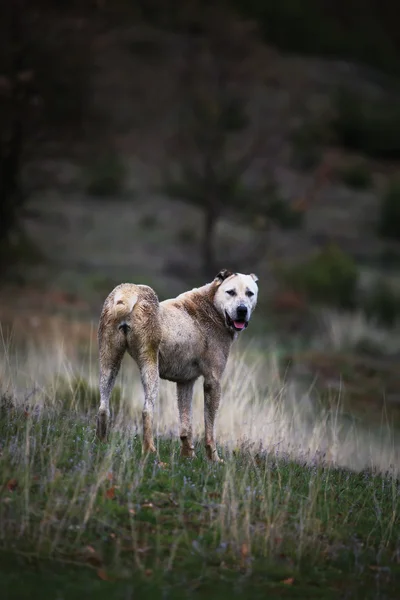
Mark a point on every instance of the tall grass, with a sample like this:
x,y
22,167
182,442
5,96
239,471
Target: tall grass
x,y
302,492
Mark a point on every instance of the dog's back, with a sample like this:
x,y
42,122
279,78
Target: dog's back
x,y
130,318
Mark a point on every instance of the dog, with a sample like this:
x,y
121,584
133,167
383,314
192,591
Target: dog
x,y
179,339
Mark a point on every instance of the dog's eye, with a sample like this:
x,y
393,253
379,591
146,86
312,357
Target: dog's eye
x,y
231,292
249,293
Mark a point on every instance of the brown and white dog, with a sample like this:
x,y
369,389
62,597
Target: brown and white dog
x,y
179,340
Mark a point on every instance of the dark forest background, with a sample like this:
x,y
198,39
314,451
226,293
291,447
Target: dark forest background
x,y
150,142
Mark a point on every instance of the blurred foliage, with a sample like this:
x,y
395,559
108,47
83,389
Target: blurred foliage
x,y
106,175
382,304
357,176
389,218
366,126
330,277
308,141
215,80
43,95
365,32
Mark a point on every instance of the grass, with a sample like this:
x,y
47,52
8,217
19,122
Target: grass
x,y
304,505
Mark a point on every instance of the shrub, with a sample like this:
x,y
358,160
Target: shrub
x,y
382,304
389,221
106,176
357,176
306,145
187,235
370,127
330,277
149,221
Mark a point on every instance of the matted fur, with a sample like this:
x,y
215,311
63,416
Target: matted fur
x,y
179,340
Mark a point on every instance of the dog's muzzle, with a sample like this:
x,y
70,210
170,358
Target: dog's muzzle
x,y
237,324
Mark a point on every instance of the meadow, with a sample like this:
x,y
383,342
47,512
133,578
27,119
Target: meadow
x,y
305,505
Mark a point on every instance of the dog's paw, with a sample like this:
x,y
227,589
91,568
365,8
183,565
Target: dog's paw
x,y
187,452
149,448
212,455
102,425
217,459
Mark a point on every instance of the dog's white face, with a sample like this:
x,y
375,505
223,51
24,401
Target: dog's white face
x,y
236,298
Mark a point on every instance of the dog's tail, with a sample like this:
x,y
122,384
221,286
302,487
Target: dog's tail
x,y
124,301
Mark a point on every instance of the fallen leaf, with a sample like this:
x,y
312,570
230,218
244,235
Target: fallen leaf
x,y
288,581
379,569
91,556
244,554
214,495
160,499
148,505
110,476
103,575
110,493
12,485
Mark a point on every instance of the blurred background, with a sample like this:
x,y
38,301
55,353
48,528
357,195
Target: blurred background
x,y
158,142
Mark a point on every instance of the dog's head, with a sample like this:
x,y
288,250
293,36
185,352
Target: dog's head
x,y
236,298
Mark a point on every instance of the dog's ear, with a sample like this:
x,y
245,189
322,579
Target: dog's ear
x,y
222,275
254,277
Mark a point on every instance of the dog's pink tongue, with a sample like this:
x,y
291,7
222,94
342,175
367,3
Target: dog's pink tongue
x,y
238,324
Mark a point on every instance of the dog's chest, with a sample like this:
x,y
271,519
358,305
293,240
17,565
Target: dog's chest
x,y
180,356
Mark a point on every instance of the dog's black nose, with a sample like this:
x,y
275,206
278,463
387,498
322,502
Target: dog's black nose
x,y
241,311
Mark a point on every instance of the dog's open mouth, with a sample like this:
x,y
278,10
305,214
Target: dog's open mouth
x,y
238,325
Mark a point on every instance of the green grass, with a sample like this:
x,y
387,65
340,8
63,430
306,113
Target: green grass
x,y
186,527
283,516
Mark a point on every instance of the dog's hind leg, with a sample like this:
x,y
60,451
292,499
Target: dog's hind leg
x,y
148,366
112,347
185,397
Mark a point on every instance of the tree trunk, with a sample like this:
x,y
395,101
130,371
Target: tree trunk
x,y
10,193
11,197
210,222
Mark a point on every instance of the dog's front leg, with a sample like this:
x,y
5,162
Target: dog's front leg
x,y
150,380
212,396
185,397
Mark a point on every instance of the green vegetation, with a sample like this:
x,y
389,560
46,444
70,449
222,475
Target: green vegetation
x,y
149,221
366,126
389,220
329,277
260,524
308,141
382,304
320,28
357,176
105,176
77,394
